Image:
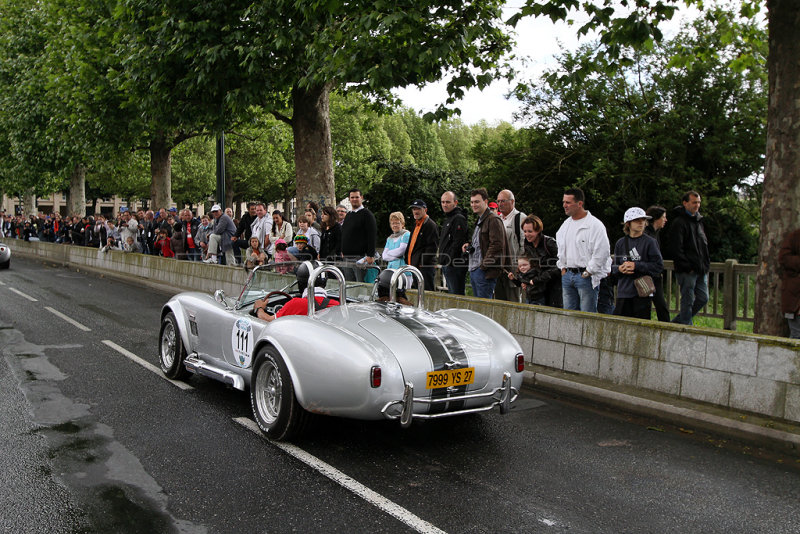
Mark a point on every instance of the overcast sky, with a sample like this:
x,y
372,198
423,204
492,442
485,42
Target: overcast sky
x,y
537,40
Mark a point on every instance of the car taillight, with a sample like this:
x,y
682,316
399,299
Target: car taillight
x,y
519,362
375,377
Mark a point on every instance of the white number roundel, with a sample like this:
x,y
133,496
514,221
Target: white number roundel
x,y
242,342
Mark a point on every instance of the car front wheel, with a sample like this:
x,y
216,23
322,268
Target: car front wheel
x,y
272,397
171,351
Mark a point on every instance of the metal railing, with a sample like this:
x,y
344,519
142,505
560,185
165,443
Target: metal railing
x,y
731,292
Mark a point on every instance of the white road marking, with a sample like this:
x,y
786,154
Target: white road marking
x,y
376,499
21,294
147,365
2,283
70,320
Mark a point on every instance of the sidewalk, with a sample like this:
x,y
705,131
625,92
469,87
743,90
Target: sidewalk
x,y
782,437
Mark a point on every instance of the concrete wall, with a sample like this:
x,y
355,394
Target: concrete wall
x,y
753,373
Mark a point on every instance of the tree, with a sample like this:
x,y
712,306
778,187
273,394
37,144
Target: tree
x,y
781,194
286,54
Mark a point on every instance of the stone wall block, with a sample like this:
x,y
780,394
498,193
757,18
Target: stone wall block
x,y
566,328
683,348
758,395
600,334
732,355
581,360
642,342
792,407
618,368
548,353
779,363
541,327
659,376
706,385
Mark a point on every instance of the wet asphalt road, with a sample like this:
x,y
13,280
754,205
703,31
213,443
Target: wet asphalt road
x,y
95,442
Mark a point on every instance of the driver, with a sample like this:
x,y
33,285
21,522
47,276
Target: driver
x,y
385,283
299,306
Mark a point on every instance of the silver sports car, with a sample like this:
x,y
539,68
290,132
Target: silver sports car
x,y
5,256
369,358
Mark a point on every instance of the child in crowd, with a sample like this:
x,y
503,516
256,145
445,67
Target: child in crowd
x,y
304,250
282,255
523,277
130,245
255,256
162,245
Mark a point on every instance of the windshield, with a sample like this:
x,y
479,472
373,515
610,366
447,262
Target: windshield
x,y
280,277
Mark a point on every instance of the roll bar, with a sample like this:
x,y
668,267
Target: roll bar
x,y
313,278
417,276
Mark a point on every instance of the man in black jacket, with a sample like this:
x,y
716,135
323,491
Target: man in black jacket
x,y
421,251
452,237
687,246
359,231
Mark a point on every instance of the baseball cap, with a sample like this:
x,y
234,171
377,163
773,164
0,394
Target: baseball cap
x,y
419,203
173,210
635,213
216,207
493,205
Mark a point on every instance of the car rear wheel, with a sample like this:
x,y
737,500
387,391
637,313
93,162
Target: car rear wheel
x,y
171,350
275,407
5,264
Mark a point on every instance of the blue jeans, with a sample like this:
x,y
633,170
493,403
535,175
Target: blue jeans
x,y
694,295
482,287
456,278
193,254
578,293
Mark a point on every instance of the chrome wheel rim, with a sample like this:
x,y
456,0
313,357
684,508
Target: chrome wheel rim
x,y
168,345
268,392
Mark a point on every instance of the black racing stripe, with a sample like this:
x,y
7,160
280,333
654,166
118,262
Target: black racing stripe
x,y
438,345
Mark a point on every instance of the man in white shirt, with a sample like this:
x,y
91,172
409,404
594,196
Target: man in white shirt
x,y
584,255
512,220
261,226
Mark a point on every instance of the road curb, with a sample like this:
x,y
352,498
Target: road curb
x,y
787,442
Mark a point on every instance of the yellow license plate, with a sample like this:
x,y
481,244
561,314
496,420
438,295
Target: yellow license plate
x,y
450,377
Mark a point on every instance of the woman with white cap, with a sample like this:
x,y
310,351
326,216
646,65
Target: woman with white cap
x,y
635,256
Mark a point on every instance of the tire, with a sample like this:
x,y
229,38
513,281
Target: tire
x,y
171,352
275,407
5,264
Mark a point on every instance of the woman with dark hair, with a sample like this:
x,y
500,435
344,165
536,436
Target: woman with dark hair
x,y
331,241
281,229
658,219
542,253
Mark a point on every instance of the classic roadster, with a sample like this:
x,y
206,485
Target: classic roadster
x,y
363,359
5,256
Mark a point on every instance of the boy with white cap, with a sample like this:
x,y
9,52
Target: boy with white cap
x,y
635,256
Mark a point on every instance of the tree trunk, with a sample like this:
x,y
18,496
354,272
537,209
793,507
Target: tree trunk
x,y
29,203
781,197
313,155
161,172
77,191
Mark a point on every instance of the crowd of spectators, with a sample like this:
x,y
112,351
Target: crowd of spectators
x,y
506,255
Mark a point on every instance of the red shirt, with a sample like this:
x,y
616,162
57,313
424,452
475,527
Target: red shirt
x,y
299,306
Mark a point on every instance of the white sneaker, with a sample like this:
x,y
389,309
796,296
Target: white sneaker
x,y
210,260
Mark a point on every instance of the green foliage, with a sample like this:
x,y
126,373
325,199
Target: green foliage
x,y
402,183
642,135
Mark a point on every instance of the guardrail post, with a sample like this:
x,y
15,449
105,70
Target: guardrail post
x,y
730,295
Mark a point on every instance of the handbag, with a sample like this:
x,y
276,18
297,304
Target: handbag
x,y
645,287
